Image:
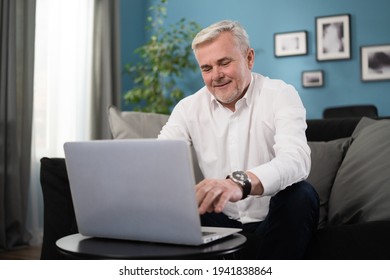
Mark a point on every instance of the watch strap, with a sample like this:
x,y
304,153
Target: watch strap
x,y
246,189
246,186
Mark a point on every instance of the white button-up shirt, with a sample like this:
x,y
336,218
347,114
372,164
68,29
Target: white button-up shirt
x,y
265,135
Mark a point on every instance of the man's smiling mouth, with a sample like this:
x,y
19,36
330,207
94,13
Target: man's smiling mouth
x,y
221,84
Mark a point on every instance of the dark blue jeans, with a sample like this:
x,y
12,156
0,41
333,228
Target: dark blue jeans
x,y
287,229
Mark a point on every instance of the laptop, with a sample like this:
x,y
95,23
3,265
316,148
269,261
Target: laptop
x,y
137,189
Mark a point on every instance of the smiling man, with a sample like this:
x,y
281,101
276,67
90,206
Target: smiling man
x,y
248,132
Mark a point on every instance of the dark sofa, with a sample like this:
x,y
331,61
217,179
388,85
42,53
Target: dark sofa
x,y
364,231
348,229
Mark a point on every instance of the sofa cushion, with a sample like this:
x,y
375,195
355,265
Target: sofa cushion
x,y
361,191
128,124
326,158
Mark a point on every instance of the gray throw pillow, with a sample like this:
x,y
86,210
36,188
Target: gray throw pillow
x,y
326,158
361,191
363,123
129,124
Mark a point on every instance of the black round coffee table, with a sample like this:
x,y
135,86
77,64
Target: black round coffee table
x,y
77,246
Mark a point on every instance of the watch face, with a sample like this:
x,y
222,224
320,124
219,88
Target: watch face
x,y
240,175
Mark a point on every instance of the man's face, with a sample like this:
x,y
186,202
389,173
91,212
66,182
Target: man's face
x,y
226,71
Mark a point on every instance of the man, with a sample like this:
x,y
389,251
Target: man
x,y
248,132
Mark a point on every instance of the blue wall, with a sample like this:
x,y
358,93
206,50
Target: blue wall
x,y
370,24
133,15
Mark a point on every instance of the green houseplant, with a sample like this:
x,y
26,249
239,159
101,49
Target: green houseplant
x,y
162,61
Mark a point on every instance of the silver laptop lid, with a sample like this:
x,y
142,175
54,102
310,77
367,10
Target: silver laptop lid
x,y
138,189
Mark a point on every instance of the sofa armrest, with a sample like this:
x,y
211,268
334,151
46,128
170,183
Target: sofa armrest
x,y
59,218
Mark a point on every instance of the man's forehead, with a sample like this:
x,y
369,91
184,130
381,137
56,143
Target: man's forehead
x,y
215,53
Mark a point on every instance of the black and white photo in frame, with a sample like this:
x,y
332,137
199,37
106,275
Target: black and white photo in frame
x,y
375,63
333,37
290,43
313,78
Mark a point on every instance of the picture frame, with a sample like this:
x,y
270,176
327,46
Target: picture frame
x,y
333,37
313,78
375,63
290,43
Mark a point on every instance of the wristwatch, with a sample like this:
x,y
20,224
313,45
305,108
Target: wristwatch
x,y
241,179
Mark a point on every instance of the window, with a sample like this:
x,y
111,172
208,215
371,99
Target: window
x,y
62,85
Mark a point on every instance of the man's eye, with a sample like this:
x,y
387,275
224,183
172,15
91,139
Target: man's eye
x,y
206,69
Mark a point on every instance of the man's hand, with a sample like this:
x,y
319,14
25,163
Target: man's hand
x,y
212,195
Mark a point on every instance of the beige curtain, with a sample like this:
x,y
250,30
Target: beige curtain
x,y
106,87
17,20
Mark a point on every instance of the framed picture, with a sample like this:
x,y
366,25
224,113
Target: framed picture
x,y
313,78
333,37
290,43
375,63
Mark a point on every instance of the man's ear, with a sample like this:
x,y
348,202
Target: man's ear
x,y
250,58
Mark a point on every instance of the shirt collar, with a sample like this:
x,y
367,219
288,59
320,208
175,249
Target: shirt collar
x,y
249,93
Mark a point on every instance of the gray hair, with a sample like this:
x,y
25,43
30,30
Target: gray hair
x,y
213,31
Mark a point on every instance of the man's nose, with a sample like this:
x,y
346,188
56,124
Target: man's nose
x,y
217,74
